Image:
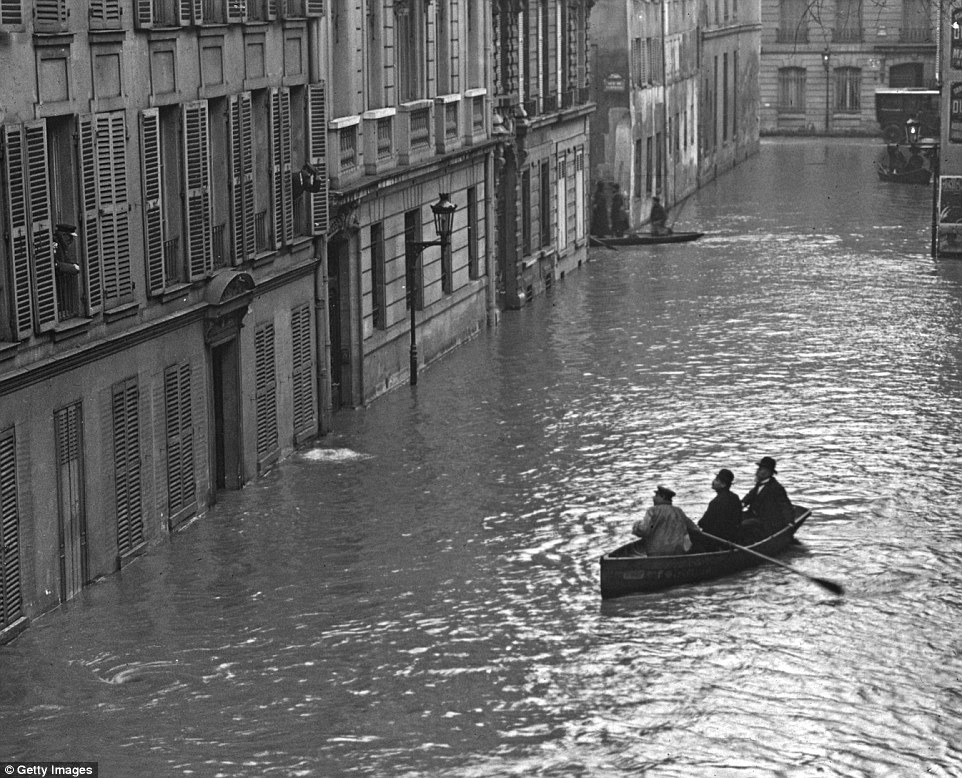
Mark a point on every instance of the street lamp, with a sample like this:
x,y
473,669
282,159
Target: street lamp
x,y
912,126
444,224
826,62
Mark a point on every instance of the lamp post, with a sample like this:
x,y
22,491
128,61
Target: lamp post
x,y
826,62
912,126
444,224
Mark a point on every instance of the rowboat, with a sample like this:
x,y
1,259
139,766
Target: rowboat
x,y
644,239
622,572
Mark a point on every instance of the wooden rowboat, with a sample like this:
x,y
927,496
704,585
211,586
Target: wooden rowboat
x,y
644,239
624,573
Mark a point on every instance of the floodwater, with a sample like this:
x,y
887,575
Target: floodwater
x,y
417,595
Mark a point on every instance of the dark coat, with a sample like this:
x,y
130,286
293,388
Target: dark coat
x,y
770,506
723,517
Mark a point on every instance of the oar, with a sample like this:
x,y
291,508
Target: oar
x,y
604,243
831,586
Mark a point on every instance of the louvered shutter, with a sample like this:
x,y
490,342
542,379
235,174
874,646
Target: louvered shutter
x,y
104,14
317,152
41,230
11,600
111,154
315,7
282,195
144,14
18,243
11,15
236,10
242,177
303,368
197,203
90,223
265,390
50,15
153,199
186,10
127,466
181,489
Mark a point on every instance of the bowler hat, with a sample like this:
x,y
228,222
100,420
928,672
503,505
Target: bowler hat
x,y
768,463
726,476
664,491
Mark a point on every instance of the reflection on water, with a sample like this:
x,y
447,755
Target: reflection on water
x,y
418,594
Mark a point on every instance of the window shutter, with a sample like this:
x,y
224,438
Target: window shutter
x,y
317,152
18,244
41,230
185,12
303,368
111,153
50,16
197,204
126,429
90,224
104,14
11,599
282,195
11,15
315,7
242,176
145,14
265,390
236,10
181,490
153,199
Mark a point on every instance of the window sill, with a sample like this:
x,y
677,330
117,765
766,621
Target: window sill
x,y
173,292
70,329
121,312
8,350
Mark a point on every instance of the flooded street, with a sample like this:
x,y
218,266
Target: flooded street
x,y
417,595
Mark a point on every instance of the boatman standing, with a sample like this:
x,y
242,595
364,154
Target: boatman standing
x,y
658,217
664,528
767,507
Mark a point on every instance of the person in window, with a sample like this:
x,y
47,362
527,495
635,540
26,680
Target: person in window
x,y
64,259
723,517
767,507
658,217
664,528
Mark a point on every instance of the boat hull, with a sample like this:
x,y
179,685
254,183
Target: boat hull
x,y
622,573
645,239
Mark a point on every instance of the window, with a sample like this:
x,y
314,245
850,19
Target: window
x,y
68,433
848,21
793,22
561,201
544,204
378,281
916,27
848,88
791,90
638,169
411,44
474,236
302,377
265,393
649,165
526,246
181,487
725,96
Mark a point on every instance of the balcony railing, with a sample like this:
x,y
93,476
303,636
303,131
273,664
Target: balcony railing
x,y
847,35
262,234
792,35
172,262
421,128
217,244
915,35
347,144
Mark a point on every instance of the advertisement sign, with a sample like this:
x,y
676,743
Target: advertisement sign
x,y
955,59
955,113
950,215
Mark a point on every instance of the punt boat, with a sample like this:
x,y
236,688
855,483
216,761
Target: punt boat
x,y
644,239
624,573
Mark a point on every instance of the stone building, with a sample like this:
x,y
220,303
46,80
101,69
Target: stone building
x,y
822,62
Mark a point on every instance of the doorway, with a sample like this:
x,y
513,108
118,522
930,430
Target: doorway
x,y
227,465
338,306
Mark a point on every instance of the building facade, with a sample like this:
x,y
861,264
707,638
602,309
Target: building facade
x,y
822,62
676,86
164,212
542,107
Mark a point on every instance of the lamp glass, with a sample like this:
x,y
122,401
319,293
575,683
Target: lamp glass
x,y
444,216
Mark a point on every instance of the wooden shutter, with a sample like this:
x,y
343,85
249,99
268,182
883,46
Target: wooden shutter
x,y
127,466
11,599
113,198
181,489
197,203
189,11
144,10
41,229
18,243
280,132
90,222
236,10
153,199
303,368
50,16
68,429
242,176
265,390
317,153
104,14
11,15
315,7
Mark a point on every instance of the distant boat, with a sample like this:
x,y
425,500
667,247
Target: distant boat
x,y
644,239
622,572
917,176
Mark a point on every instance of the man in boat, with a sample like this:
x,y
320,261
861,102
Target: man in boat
x,y
658,217
664,528
723,517
767,507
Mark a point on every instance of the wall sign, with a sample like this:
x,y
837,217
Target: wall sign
x,y
956,54
955,113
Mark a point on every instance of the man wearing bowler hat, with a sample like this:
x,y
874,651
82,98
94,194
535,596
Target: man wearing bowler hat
x,y
767,507
723,517
664,528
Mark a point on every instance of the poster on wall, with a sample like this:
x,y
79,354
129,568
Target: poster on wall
x,y
955,58
955,113
950,215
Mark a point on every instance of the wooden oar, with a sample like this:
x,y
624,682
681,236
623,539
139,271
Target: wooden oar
x,y
603,243
831,586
